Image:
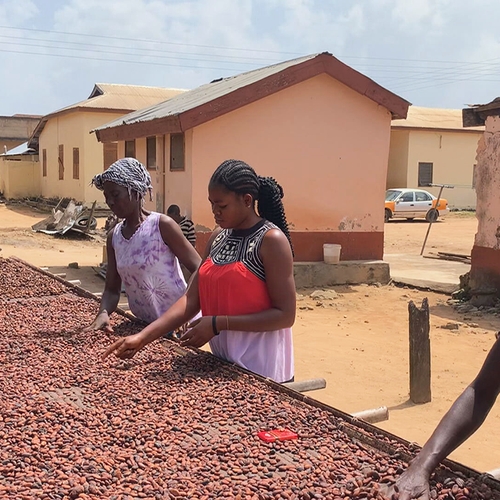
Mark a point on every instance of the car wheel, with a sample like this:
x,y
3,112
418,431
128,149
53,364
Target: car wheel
x,y
432,215
410,218
82,222
388,215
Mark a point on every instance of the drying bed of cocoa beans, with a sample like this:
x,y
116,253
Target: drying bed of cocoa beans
x,y
20,281
168,424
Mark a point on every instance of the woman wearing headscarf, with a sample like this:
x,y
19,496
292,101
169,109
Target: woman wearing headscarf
x,y
144,250
244,287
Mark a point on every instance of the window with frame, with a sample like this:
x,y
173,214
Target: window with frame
x,y
76,163
44,163
151,153
130,149
176,152
60,161
420,196
425,173
407,196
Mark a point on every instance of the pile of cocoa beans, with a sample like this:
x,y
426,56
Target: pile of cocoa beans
x,y
168,424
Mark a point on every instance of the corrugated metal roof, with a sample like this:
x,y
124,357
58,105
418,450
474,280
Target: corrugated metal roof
x,y
203,94
127,97
444,119
19,150
111,96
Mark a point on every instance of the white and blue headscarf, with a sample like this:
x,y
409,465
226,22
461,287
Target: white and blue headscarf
x,y
129,173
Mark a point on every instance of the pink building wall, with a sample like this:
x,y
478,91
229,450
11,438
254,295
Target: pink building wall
x,y
326,144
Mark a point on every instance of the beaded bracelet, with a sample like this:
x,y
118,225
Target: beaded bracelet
x,y
214,325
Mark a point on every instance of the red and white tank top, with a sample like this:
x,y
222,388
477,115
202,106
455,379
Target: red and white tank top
x,y
232,282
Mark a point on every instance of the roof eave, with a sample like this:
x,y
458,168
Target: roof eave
x,y
435,129
366,86
128,132
33,140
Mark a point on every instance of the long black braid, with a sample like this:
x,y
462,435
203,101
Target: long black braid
x,y
239,177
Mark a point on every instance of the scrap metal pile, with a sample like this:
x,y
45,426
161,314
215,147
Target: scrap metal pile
x,y
169,424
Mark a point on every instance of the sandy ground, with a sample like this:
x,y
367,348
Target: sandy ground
x,y
357,340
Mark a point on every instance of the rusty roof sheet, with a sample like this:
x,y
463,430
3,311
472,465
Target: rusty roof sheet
x,y
433,118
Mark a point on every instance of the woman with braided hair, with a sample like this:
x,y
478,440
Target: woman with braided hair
x,y
143,250
244,286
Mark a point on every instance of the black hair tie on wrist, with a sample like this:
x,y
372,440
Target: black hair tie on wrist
x,y
214,325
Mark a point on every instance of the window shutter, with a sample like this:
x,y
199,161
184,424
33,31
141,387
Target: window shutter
x,y
151,152
44,162
176,152
110,153
425,174
130,149
60,161
76,163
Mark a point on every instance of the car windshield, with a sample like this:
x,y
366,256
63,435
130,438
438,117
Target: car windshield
x,y
392,194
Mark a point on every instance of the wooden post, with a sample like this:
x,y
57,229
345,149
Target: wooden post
x,y
420,353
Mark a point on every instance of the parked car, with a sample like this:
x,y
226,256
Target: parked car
x,y
411,203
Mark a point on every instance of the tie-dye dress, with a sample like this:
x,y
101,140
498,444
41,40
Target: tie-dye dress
x,y
150,272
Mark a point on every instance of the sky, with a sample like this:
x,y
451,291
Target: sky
x,y
434,53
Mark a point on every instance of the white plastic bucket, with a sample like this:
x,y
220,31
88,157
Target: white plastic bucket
x,y
331,253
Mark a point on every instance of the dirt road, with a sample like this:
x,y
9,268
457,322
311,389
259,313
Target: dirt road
x,y
357,339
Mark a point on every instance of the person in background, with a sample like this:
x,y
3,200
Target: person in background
x,y
143,250
244,286
464,417
186,224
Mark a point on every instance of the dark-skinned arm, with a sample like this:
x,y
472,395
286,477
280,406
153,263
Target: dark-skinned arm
x,y
174,237
112,290
464,417
183,310
277,257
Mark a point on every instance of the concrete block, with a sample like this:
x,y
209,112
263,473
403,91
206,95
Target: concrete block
x,y
349,272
